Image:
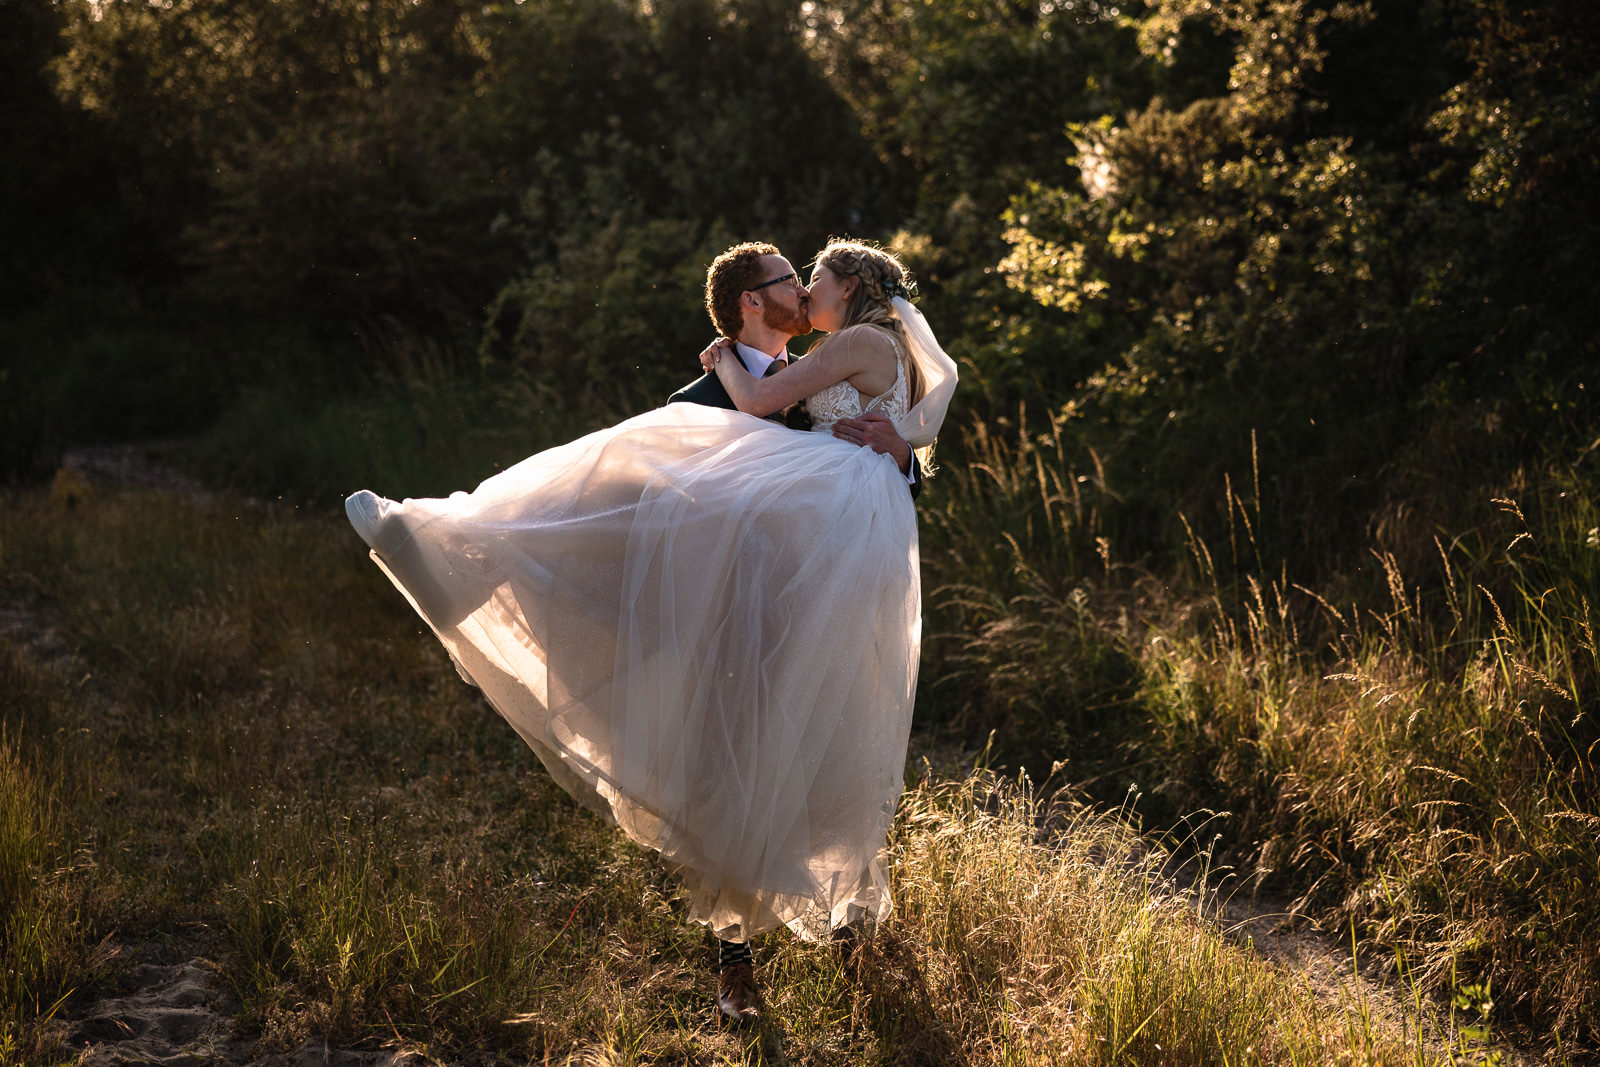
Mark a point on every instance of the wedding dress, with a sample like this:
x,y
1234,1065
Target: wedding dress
x,y
707,627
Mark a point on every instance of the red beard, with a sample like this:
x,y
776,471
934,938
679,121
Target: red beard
x,y
794,321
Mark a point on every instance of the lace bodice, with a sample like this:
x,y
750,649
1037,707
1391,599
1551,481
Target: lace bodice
x,y
841,400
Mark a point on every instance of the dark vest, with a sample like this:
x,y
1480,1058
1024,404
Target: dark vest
x,y
708,390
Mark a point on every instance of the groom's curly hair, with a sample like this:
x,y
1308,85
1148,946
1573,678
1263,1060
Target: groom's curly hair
x,y
731,274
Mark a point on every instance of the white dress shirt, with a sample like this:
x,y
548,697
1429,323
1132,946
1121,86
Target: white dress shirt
x,y
756,361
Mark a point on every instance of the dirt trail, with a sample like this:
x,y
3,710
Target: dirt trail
x,y
131,467
181,1015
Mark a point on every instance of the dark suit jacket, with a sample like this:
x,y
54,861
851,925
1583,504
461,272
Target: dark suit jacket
x,y
706,389
709,390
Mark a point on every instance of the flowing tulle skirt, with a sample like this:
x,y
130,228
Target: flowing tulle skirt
x,y
707,626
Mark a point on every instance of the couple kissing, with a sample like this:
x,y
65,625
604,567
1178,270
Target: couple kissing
x,y
704,623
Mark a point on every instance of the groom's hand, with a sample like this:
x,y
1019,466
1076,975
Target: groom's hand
x,y
876,432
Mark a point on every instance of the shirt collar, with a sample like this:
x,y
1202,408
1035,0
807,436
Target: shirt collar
x,y
756,361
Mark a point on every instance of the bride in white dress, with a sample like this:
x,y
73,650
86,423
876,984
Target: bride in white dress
x,y
706,625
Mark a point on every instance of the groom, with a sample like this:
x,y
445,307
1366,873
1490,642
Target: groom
x,y
757,299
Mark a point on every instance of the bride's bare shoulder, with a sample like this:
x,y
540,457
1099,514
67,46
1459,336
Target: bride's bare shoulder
x,y
864,338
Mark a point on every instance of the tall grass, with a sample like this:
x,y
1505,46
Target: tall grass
x,y
1411,755
289,779
45,887
423,426
1054,937
1020,568
27,825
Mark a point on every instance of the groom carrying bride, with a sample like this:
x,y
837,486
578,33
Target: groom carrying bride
x,y
708,627
757,300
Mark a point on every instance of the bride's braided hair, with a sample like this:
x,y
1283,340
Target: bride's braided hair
x,y
880,277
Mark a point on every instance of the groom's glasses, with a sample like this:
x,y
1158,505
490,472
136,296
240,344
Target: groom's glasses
x,y
790,277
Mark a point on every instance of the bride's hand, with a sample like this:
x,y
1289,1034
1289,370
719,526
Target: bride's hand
x,y
713,353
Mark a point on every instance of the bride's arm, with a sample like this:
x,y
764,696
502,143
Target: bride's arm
x,y
833,362
763,396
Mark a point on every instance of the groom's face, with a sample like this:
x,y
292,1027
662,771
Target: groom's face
x,y
785,306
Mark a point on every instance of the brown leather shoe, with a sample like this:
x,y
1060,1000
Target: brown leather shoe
x,y
737,996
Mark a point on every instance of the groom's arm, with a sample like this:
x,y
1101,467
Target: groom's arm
x,y
877,432
871,430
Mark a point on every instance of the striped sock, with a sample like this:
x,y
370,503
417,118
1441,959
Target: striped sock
x,y
732,952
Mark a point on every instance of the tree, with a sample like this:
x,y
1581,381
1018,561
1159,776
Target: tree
x,y
1266,274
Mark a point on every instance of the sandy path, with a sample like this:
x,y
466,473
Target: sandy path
x,y
182,1017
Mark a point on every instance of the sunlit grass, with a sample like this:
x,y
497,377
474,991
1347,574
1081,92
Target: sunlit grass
x,y
1053,936
46,885
1428,765
26,935
287,777
1412,755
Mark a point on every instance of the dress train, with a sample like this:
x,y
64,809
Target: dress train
x,y
707,627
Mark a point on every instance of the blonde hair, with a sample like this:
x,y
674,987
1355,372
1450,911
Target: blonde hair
x,y
880,278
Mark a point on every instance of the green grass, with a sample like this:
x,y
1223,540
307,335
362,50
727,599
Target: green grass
x,y
1411,755
273,767
46,884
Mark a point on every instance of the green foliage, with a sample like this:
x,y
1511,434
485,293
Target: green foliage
x,y
107,368
59,224
965,100
1314,289
702,127
424,427
612,317
1515,239
362,172
317,156
697,110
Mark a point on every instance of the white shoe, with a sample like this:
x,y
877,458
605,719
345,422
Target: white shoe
x,y
365,511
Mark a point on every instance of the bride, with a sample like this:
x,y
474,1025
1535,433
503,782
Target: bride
x,y
706,625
